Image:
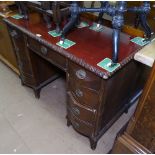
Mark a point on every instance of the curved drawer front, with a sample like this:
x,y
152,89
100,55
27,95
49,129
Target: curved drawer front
x,y
49,54
80,126
81,112
83,77
85,96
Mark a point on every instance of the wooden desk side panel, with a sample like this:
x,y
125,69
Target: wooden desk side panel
x,y
121,88
142,125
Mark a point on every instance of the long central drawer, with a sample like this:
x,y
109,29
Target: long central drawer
x,y
49,54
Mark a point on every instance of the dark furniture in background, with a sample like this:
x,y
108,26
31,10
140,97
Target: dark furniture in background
x,y
7,54
142,124
53,12
132,20
139,136
125,144
96,97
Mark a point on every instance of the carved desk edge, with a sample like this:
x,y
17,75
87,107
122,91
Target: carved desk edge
x,y
102,74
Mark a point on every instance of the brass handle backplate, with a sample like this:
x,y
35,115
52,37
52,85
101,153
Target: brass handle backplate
x,y
81,74
44,50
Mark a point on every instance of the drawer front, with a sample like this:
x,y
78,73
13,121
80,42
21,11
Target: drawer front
x,y
85,96
81,112
80,126
83,77
47,53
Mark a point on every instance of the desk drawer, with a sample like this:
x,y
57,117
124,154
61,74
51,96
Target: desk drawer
x,y
81,112
47,53
80,126
83,77
84,95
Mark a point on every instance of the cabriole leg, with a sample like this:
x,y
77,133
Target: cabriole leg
x,y
93,143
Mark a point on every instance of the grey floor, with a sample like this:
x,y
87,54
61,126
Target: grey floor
x,y
29,125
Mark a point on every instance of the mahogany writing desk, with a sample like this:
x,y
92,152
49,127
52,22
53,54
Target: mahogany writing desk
x,y
96,98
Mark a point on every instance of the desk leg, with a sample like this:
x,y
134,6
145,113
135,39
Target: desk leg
x,y
22,83
93,143
37,93
68,121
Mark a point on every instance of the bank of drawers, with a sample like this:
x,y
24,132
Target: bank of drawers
x,y
83,98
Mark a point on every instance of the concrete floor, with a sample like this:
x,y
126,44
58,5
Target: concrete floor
x,y
29,125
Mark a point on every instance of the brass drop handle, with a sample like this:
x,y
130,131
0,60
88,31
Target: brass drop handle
x,y
75,110
78,92
81,74
44,50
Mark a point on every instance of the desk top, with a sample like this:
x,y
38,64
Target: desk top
x,y
91,47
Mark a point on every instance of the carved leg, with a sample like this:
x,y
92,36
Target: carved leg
x,y
71,23
116,39
146,27
37,93
56,15
68,26
24,10
46,6
93,143
58,28
47,20
103,4
137,21
117,22
126,110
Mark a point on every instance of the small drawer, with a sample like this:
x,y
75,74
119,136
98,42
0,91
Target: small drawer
x,y
85,96
81,112
80,126
47,53
83,76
